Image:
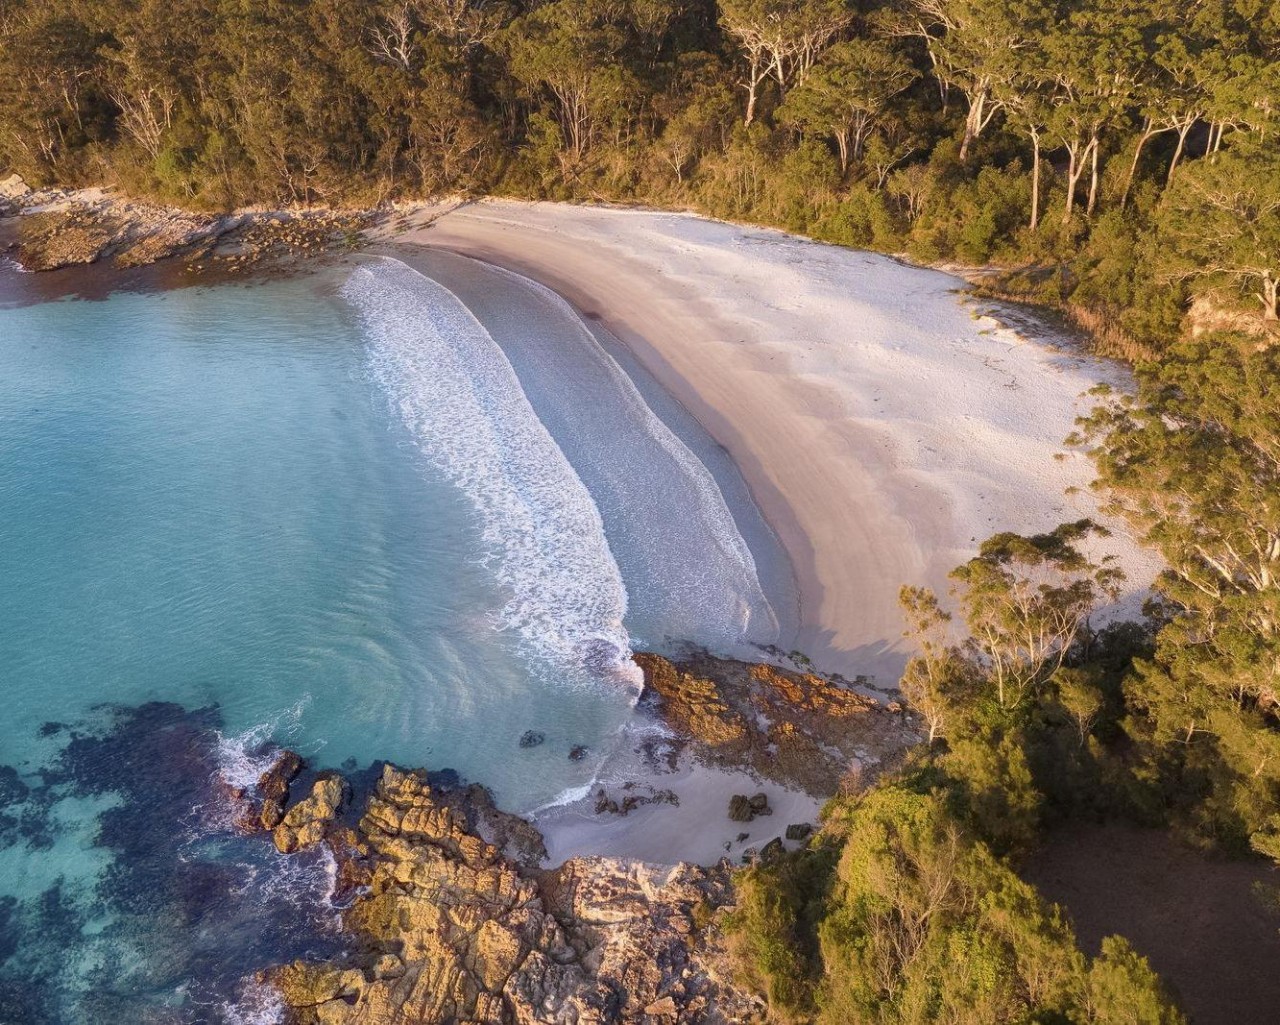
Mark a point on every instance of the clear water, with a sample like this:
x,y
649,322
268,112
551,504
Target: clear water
x,y
368,515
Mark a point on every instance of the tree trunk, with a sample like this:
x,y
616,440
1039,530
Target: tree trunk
x,y
1035,179
1270,296
753,89
1177,152
1093,178
842,144
1143,139
1074,170
1217,142
972,123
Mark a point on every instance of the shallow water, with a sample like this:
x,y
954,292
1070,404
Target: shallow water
x,y
345,513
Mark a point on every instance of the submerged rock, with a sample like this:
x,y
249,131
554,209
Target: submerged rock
x,y
531,738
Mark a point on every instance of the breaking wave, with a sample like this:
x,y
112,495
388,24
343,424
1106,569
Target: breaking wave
x,y
456,391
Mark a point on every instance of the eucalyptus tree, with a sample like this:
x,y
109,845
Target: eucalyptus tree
x,y
1098,60
1026,603
1221,223
969,43
51,102
846,93
1194,463
572,49
781,39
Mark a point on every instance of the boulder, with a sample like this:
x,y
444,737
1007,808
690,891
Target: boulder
x,y
772,851
273,788
799,831
305,824
14,187
740,808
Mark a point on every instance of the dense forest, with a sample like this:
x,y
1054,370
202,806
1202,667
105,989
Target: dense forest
x,y
1116,160
1121,155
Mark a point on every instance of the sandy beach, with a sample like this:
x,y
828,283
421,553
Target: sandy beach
x,y
884,421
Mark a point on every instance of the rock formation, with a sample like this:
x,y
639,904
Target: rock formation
x,y
797,729
453,920
453,930
63,229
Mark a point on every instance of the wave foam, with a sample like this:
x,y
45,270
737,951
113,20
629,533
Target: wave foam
x,y
735,606
454,388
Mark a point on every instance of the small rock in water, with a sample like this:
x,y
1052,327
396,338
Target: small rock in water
x,y
741,837
740,808
799,831
760,805
531,738
578,753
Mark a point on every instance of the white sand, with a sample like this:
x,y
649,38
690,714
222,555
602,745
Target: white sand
x,y
697,830
884,426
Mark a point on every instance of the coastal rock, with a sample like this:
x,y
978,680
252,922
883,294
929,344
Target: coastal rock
x,y
304,825
695,705
577,753
799,831
273,788
743,808
62,229
634,795
451,930
796,728
532,738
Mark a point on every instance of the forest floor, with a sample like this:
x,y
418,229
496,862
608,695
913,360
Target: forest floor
x,y
1202,922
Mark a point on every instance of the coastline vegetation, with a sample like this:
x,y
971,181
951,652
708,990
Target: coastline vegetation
x,y
1117,161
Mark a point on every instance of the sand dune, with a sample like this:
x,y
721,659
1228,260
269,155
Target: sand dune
x,y
883,421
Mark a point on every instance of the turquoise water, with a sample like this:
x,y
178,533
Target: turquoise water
x,y
205,499
366,514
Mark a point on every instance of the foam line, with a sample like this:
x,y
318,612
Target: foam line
x,y
736,604
455,390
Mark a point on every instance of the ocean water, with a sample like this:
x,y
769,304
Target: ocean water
x,y
371,513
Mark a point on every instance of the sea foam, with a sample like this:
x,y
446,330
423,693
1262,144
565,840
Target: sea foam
x,y
455,390
698,569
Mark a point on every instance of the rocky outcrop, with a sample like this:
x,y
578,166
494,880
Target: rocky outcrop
x,y
799,729
453,930
455,922
307,822
64,229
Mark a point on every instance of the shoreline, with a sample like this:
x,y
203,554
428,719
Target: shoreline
x,y
864,493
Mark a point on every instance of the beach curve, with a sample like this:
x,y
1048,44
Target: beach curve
x,y
884,425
